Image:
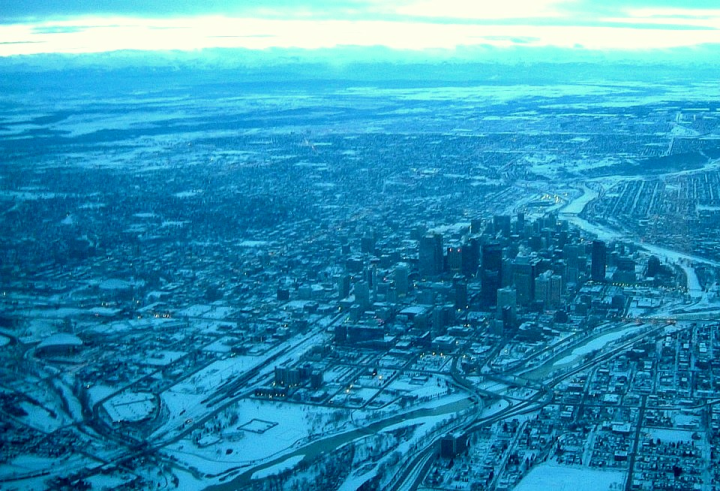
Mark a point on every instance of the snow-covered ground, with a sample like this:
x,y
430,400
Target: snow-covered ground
x,y
130,406
564,478
668,435
291,424
596,344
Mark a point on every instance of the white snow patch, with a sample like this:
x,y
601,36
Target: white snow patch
x,y
595,344
564,478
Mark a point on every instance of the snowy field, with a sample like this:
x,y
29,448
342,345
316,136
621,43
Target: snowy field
x,y
550,476
668,435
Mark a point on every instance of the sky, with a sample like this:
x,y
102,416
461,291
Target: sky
x,y
94,26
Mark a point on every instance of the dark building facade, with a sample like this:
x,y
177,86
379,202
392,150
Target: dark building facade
x,y
598,261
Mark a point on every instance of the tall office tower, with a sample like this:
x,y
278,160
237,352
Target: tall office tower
x,y
507,318
400,276
571,252
491,272
653,267
362,295
506,297
599,260
342,283
460,299
520,224
501,224
542,288
470,257
454,259
560,268
536,242
441,318
506,277
524,272
556,287
476,226
370,274
562,238
430,255
492,253
548,289
490,282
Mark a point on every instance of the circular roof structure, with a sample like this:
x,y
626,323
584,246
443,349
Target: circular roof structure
x,y
60,340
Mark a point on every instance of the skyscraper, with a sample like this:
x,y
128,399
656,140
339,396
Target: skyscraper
x,y
491,272
342,283
430,255
362,295
492,256
506,297
598,261
454,259
501,224
470,257
542,288
525,270
400,276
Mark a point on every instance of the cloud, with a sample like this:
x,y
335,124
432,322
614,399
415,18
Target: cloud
x,y
19,11
51,29
506,9
77,26
15,11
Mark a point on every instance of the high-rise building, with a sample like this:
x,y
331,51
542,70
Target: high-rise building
x,y
490,282
470,257
400,276
598,261
460,295
571,253
362,295
501,225
454,259
491,272
542,288
520,223
556,288
506,277
524,273
492,256
653,266
342,283
430,255
548,289
506,297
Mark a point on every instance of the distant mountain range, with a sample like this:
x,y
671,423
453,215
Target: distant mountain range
x,y
477,63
